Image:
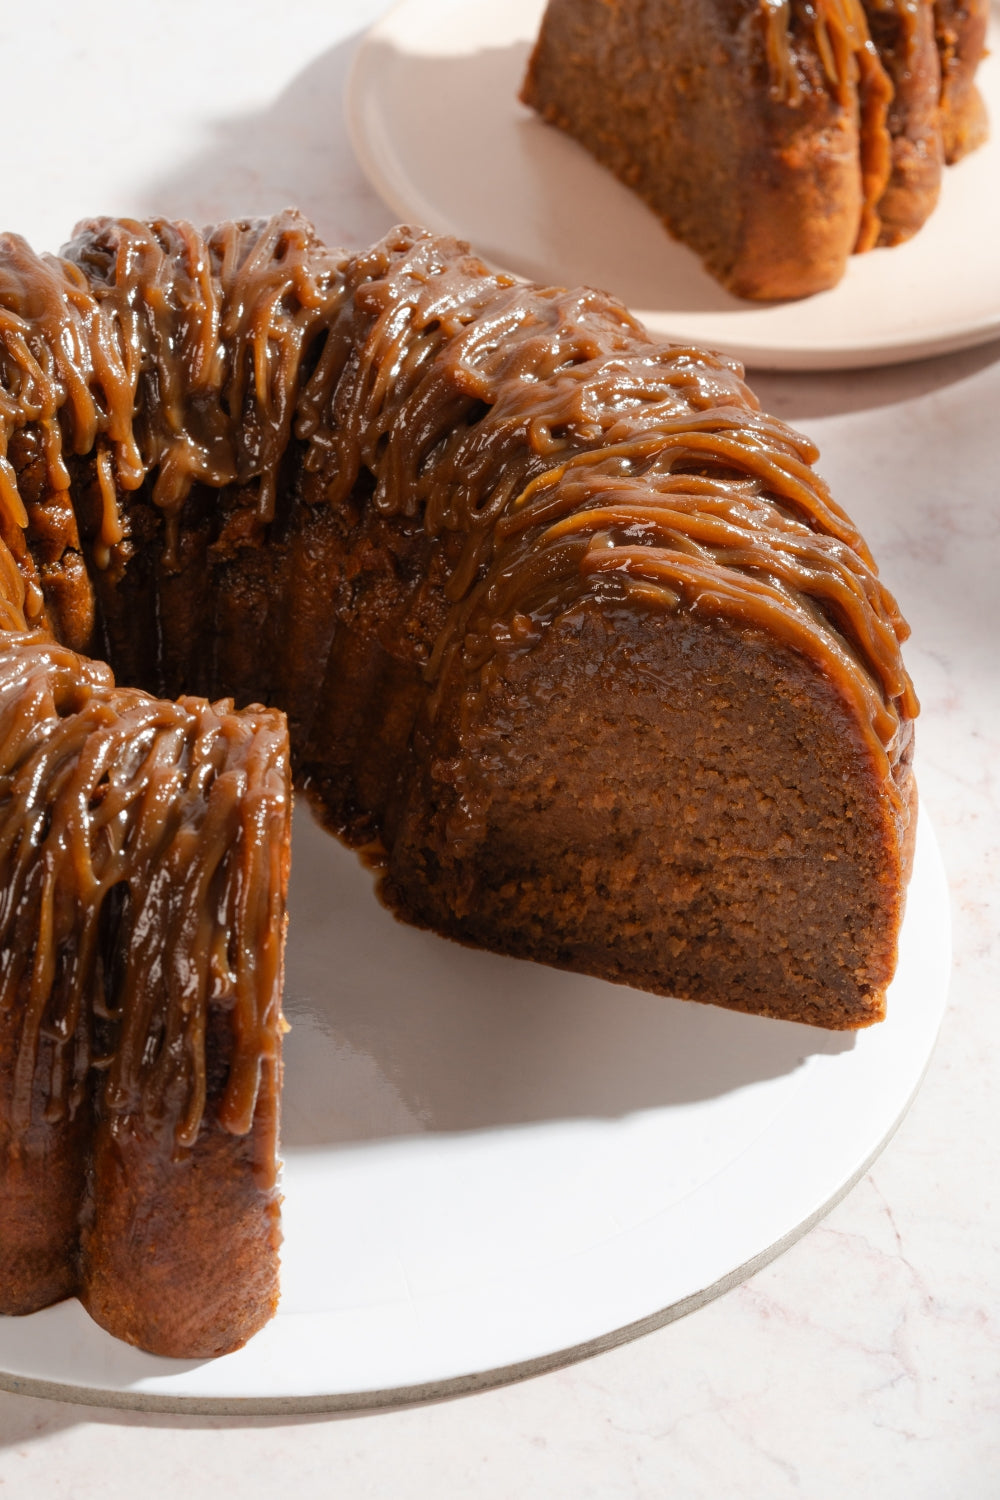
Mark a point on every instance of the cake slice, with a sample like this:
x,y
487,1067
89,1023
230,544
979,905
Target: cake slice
x,y
775,139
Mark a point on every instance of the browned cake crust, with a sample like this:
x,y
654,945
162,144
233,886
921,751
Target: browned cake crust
x,y
905,39
774,138
569,634
960,27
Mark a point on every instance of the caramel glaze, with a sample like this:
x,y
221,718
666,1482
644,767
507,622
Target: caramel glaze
x,y
120,355
177,809
906,87
839,32
541,444
599,461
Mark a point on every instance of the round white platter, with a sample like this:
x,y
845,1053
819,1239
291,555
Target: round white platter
x,y
437,126
493,1168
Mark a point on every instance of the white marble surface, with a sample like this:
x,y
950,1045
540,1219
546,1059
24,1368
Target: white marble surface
x,y
865,1361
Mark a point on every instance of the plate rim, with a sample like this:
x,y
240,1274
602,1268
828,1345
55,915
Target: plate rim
x,y
395,1398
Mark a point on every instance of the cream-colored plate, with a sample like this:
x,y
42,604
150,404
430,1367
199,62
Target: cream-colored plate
x,y
493,1168
437,126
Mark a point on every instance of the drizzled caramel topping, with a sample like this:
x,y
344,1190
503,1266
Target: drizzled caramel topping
x,y
839,29
595,461
539,437
163,350
851,67
169,816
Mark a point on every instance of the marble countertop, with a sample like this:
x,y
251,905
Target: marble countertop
x,y
865,1361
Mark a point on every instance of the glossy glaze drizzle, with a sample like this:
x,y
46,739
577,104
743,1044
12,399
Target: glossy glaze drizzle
x,y
851,67
169,819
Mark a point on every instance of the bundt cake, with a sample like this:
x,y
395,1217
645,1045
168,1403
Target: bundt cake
x,y
568,634
775,137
